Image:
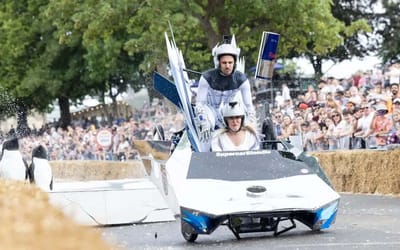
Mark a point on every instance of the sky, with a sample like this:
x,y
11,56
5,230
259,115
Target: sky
x,y
343,69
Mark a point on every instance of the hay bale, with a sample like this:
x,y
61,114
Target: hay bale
x,y
97,170
30,222
160,150
362,171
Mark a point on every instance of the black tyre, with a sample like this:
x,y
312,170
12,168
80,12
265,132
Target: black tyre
x,y
188,232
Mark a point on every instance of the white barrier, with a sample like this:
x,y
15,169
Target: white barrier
x,y
111,202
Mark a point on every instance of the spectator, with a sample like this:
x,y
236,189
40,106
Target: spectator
x,y
381,125
354,95
336,86
396,104
328,87
277,120
297,122
313,138
288,108
279,101
394,133
350,106
332,105
288,128
356,79
394,91
364,125
311,96
334,130
305,127
322,116
344,130
356,142
340,99
123,147
286,92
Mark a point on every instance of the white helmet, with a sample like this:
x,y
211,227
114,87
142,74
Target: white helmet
x,y
227,49
231,109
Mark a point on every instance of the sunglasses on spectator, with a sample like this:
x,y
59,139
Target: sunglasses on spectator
x,y
335,115
381,112
297,114
278,116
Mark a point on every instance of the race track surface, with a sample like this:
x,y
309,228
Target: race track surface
x,y
363,222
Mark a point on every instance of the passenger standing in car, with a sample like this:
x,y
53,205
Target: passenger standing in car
x,y
221,85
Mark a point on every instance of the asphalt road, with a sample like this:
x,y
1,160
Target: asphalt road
x,y
363,222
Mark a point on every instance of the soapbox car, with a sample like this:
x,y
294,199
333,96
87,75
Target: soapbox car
x,y
247,191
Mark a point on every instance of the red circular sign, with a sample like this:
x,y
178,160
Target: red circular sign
x,y
104,138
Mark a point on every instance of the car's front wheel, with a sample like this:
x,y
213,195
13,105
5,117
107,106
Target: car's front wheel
x,y
188,233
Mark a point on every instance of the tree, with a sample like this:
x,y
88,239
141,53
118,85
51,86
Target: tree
x,y
100,29
61,49
364,41
348,26
389,30
306,27
20,44
358,38
7,104
65,50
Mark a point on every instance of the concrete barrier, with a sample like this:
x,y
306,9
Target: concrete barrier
x,y
107,193
111,202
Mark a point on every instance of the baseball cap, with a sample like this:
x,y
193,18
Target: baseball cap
x,y
303,105
397,100
381,107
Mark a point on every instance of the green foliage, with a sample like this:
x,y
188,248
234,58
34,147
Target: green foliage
x,y
20,47
358,20
389,23
67,49
305,27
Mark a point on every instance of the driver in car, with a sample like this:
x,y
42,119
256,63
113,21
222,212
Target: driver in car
x,y
235,135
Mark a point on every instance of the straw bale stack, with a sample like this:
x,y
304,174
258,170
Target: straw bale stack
x,y
30,222
363,171
97,170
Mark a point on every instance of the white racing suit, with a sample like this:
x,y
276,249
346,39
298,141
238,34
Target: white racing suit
x,y
214,90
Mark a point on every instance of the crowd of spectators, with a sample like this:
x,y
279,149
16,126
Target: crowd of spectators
x,y
79,141
356,113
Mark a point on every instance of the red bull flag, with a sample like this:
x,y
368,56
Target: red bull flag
x,y
267,55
